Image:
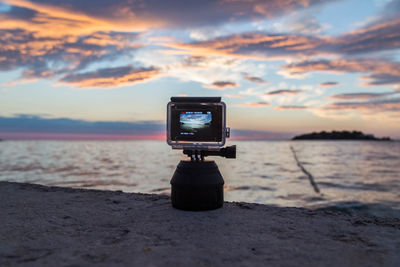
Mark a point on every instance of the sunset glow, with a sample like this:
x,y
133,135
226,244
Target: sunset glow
x,y
74,70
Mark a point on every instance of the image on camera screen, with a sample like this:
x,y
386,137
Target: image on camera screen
x,y
192,122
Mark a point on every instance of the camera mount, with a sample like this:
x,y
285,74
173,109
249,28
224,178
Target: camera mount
x,y
228,152
197,125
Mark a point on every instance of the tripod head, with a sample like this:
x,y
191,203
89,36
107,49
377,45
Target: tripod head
x,y
228,152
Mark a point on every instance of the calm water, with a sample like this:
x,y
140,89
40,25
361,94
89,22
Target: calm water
x,y
359,176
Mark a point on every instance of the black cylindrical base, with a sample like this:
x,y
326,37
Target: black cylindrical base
x,y
197,186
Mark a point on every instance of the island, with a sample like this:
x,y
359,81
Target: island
x,y
340,135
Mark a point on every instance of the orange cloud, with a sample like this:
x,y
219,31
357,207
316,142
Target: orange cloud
x,y
253,45
111,77
51,21
52,39
39,35
254,104
57,19
48,57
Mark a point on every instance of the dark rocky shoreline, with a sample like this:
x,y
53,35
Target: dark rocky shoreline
x,y
47,226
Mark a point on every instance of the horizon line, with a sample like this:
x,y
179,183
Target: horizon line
x,y
106,137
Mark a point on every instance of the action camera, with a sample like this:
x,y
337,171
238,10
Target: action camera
x,y
197,123
198,126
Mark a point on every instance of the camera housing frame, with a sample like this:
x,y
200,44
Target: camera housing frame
x,y
197,105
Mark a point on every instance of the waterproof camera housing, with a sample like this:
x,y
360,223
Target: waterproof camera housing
x,y
197,123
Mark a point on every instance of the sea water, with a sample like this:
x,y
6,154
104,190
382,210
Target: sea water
x,y
351,176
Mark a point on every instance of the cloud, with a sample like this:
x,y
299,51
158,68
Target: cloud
x,y
303,22
27,126
242,134
380,105
54,20
382,35
221,85
217,73
49,57
255,79
381,72
133,15
33,124
291,107
111,77
371,40
382,78
253,45
49,39
283,91
293,96
254,104
392,7
328,84
360,96
194,61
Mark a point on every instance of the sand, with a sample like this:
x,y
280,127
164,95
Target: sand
x,y
52,226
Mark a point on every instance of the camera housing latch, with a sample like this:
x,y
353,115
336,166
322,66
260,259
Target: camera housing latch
x,y
227,132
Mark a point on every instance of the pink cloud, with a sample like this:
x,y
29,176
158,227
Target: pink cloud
x,y
254,104
384,105
111,77
381,72
360,96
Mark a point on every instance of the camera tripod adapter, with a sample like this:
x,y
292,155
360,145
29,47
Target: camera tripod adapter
x,y
196,186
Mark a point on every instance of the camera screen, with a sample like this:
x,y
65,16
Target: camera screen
x,y
196,123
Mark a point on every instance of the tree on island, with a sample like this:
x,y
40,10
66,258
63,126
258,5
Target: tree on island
x,y
339,135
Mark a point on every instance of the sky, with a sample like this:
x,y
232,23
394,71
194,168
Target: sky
x,y
78,69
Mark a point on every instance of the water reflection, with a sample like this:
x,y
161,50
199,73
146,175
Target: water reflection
x,y
264,172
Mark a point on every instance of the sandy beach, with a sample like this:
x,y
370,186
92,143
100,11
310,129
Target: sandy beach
x,y
49,226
